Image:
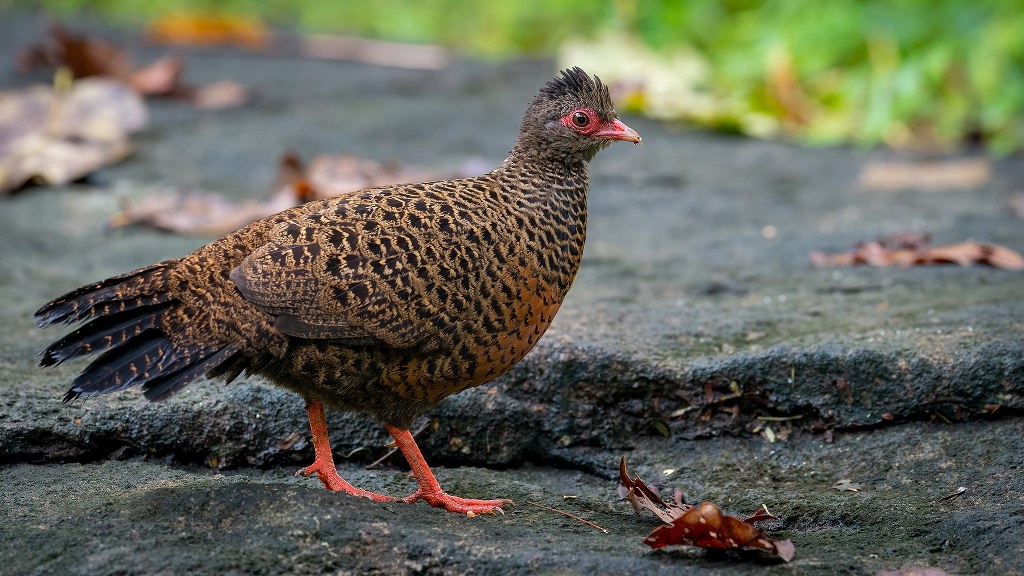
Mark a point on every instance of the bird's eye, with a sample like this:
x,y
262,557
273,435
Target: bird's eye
x,y
580,119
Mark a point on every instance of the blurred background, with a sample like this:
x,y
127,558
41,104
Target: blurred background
x,y
927,75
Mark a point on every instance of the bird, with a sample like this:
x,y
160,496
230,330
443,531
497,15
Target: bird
x,y
383,301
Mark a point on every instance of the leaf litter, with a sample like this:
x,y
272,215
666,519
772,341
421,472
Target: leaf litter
x,y
703,525
58,134
325,176
88,56
913,249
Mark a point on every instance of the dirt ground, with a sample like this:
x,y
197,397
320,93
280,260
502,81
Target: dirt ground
x,y
703,347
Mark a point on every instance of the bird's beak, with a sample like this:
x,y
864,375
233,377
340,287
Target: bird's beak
x,y
616,130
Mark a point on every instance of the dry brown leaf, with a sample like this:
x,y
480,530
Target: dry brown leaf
x,y
199,213
704,526
158,78
644,497
58,136
887,176
331,176
896,251
218,95
87,56
207,213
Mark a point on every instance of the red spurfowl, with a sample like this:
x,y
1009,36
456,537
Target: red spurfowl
x,y
382,301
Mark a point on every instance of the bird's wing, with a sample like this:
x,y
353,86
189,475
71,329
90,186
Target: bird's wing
x,y
392,267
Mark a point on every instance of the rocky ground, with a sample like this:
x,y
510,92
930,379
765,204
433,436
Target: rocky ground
x,y
698,340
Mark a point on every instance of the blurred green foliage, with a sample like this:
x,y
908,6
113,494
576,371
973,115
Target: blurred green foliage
x,y
920,73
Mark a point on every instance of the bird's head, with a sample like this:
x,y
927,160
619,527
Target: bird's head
x,y
571,118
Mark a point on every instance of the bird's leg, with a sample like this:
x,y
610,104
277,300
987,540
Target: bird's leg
x,y
429,490
323,464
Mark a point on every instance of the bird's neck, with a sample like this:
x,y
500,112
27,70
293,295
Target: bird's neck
x,y
547,185
552,198
547,172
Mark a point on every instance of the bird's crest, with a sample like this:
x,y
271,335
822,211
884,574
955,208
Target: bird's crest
x,y
579,86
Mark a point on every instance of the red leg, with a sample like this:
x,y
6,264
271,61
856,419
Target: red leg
x,y
429,490
323,464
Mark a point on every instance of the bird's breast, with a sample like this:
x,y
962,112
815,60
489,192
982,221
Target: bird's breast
x,y
482,348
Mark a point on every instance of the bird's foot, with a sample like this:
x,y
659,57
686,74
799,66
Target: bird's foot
x,y
467,506
332,481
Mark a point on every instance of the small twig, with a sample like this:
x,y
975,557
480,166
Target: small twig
x,y
391,452
573,516
779,418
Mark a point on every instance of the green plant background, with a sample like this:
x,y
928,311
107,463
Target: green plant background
x,y
925,74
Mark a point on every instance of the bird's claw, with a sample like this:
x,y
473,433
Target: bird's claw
x,y
334,482
468,506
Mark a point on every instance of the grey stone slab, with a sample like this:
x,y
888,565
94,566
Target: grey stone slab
x,y
685,320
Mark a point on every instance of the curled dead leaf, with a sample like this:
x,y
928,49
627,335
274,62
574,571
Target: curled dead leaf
x,y
55,136
159,77
87,56
897,251
208,214
84,56
199,213
704,526
644,497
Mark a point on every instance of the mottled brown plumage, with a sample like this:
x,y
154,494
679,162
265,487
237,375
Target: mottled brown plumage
x,y
383,301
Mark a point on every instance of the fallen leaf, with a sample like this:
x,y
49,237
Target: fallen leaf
x,y
331,176
87,56
898,251
704,526
158,78
216,96
208,213
762,514
644,497
200,213
846,485
927,176
58,135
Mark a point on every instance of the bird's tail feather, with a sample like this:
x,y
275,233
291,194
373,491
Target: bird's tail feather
x,y
136,289
129,320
